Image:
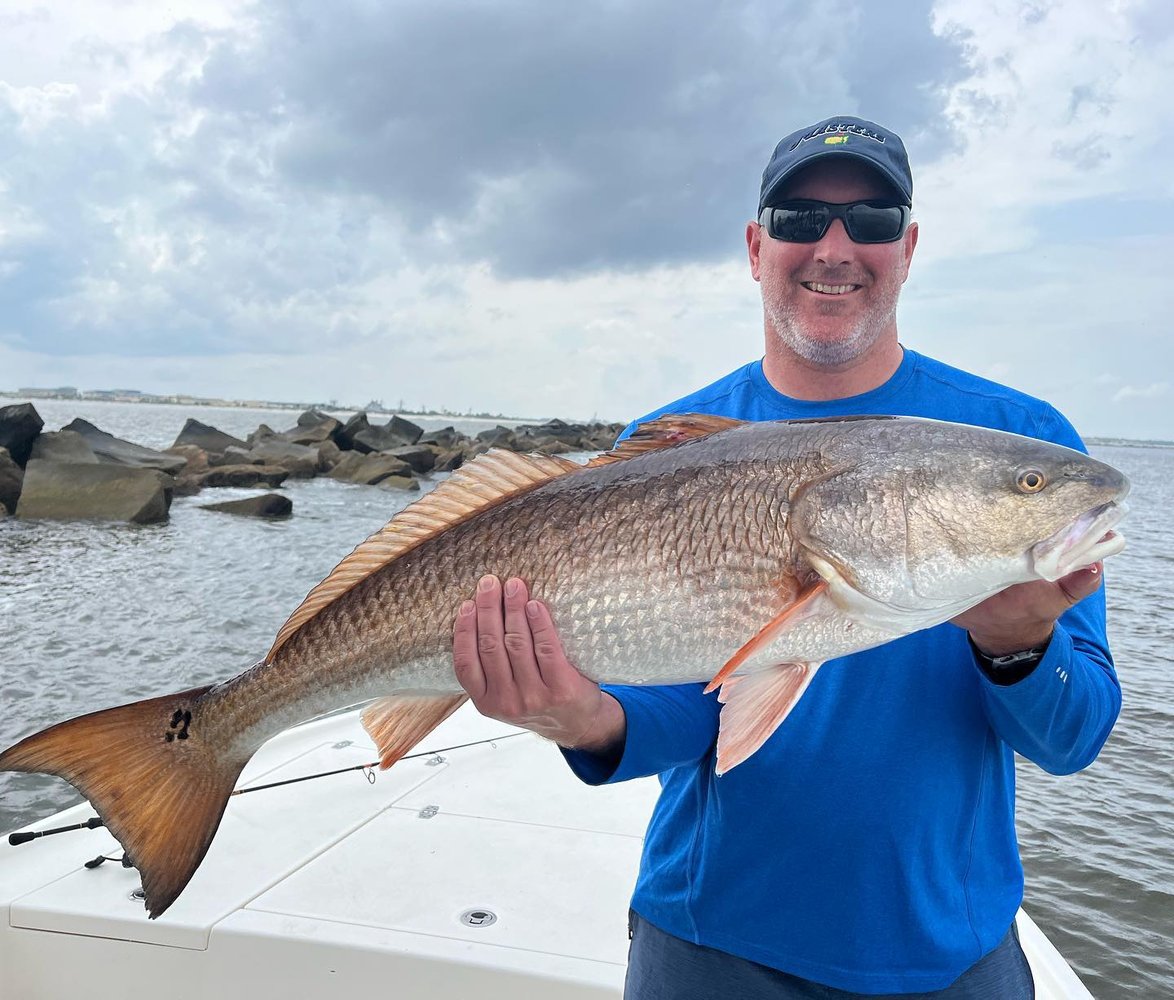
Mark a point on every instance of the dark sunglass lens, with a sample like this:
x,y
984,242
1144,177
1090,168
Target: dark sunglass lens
x,y
875,224
804,224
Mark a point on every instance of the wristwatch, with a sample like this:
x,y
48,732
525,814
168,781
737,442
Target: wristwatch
x,y
1010,667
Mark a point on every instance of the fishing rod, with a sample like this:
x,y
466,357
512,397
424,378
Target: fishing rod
x,y
23,838
94,822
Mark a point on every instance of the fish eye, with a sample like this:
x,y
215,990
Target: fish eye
x,y
1031,481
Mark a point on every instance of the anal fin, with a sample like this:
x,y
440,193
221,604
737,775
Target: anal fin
x,y
399,722
754,706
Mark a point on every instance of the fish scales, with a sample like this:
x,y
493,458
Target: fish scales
x,y
651,568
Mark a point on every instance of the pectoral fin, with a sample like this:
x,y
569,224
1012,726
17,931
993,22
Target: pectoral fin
x,y
773,629
754,706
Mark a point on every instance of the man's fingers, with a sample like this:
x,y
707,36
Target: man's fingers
x,y
519,643
507,655
491,649
552,663
465,660
1077,586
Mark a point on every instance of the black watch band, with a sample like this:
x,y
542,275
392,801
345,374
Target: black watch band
x,y
1010,667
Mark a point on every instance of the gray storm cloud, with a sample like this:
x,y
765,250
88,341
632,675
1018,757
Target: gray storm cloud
x,y
276,168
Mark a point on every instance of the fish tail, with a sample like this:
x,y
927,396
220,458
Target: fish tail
x,y
159,786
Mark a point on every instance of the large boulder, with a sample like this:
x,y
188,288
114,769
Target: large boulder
x,y
114,450
207,437
410,432
555,428
449,461
604,436
372,439
299,460
396,433
446,437
420,457
313,428
66,491
471,449
312,418
497,437
196,458
20,423
345,438
369,469
346,466
329,455
63,446
262,433
265,505
313,436
11,477
601,437
552,446
400,483
233,455
240,475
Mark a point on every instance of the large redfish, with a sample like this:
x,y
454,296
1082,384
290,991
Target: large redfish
x,y
701,548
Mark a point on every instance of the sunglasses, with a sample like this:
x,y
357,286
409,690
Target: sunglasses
x,y
804,221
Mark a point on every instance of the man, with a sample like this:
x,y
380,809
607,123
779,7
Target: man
x,y
869,846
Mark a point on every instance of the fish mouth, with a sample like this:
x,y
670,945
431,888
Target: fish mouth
x,y
1085,540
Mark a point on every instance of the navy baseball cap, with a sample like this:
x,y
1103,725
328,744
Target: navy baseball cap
x,y
843,136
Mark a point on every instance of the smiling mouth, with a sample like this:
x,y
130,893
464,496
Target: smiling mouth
x,y
822,289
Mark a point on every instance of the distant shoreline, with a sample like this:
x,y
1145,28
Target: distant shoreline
x,y
152,399
1128,442
114,396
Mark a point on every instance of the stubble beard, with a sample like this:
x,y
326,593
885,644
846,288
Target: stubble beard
x,y
856,340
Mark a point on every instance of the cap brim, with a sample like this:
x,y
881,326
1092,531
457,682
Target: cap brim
x,y
819,153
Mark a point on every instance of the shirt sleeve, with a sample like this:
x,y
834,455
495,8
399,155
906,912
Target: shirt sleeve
x,y
667,727
1060,714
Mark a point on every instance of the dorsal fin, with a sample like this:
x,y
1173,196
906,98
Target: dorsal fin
x,y
664,432
484,482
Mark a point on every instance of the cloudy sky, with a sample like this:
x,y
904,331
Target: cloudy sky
x,y
538,208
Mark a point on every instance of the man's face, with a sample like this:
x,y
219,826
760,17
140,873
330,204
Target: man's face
x,y
830,302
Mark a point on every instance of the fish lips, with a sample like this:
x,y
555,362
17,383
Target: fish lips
x,y
1085,540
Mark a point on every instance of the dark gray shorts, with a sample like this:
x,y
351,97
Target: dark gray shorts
x,y
663,967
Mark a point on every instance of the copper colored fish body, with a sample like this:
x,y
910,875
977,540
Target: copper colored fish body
x,y
701,548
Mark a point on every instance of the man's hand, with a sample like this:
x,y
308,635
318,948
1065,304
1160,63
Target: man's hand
x,y
508,657
1025,615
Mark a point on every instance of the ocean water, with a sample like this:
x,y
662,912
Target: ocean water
x,y
95,615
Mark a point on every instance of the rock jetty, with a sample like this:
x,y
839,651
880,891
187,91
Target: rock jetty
x,y
81,471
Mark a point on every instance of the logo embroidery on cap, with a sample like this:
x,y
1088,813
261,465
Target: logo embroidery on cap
x,y
835,140
836,131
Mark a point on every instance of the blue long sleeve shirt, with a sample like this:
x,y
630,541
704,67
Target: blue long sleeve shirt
x,y
870,843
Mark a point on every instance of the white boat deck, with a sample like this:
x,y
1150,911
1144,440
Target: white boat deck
x,y
339,887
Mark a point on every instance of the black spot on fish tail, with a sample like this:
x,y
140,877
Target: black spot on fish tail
x,y
180,721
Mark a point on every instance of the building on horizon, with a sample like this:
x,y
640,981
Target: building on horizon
x,y
64,392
